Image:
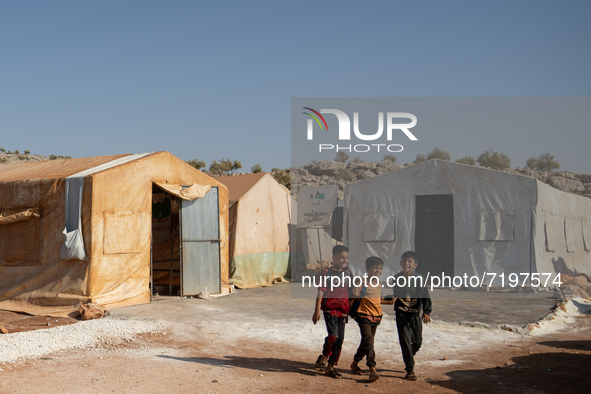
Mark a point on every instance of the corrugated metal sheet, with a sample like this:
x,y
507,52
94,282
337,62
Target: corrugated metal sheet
x,y
200,233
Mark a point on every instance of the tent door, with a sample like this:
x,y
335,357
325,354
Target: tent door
x,y
200,245
434,234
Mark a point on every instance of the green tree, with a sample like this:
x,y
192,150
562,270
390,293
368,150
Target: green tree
x,y
494,160
27,152
341,157
391,158
532,163
256,169
198,164
224,167
2,150
16,152
545,163
467,160
282,176
345,175
420,158
439,154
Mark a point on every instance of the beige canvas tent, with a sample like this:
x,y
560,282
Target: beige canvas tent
x,y
464,219
80,230
259,229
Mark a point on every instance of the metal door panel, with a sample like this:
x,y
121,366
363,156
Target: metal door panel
x,y
434,234
200,243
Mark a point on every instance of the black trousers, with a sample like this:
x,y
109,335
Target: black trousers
x,y
365,349
410,336
336,335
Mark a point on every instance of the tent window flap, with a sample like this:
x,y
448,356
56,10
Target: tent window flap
x,y
586,228
496,225
550,246
569,235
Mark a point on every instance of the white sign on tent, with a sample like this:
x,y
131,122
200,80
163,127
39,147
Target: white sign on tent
x,y
315,205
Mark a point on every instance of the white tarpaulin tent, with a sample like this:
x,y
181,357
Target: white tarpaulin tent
x,y
260,226
464,219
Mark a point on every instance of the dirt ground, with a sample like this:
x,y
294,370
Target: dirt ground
x,y
19,322
255,341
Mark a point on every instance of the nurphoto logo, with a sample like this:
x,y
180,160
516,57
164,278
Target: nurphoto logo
x,y
344,132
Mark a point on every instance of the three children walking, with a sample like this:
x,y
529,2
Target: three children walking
x,y
364,304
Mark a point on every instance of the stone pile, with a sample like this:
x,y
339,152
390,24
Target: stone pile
x,y
576,286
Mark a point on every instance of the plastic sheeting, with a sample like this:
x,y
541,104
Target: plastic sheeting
x,y
73,247
503,223
560,232
316,205
259,231
190,193
116,201
19,216
487,206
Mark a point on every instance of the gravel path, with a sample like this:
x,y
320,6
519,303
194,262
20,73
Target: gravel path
x,y
85,334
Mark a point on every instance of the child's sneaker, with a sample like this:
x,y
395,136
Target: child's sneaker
x,y
374,376
410,376
333,374
320,365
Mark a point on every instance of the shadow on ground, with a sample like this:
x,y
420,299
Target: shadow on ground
x,y
280,365
547,372
257,364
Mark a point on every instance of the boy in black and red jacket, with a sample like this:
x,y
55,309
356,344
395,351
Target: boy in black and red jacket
x,y
334,303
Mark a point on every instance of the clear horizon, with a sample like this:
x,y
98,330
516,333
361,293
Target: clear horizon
x,y
215,80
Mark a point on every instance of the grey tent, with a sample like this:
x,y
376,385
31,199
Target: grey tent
x,y
464,219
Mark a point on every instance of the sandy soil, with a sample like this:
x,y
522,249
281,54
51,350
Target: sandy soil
x,y
19,322
216,352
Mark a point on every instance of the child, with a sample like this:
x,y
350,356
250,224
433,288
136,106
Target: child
x,y
368,316
410,295
334,302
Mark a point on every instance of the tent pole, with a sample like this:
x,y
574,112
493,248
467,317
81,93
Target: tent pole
x,y
320,249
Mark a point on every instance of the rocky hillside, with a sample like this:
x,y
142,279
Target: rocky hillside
x,y
341,174
12,157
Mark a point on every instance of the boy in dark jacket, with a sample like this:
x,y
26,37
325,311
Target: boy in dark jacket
x,y
334,303
411,296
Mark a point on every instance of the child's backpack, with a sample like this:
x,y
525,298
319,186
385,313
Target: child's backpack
x,y
356,302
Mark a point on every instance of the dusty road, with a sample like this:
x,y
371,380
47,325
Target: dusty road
x,y
263,340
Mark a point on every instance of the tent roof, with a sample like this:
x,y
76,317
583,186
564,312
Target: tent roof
x,y
51,169
238,185
435,163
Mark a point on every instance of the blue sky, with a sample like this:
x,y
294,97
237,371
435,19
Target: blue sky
x,y
215,79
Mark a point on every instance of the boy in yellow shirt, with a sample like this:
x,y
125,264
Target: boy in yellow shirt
x,y
368,315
